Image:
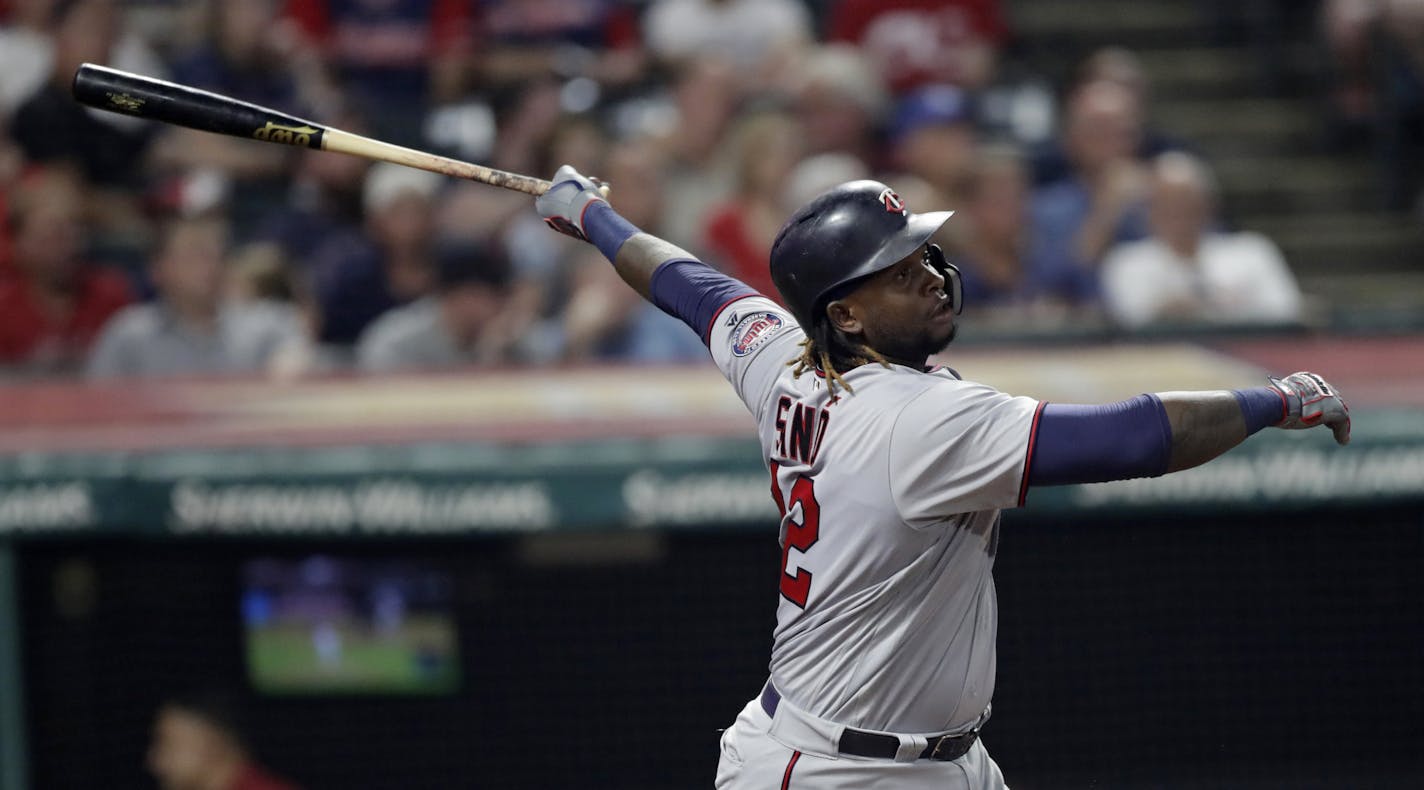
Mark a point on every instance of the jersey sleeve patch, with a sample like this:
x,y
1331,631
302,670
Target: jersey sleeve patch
x,y
752,330
751,341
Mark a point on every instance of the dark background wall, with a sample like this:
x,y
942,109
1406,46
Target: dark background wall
x,y
1232,651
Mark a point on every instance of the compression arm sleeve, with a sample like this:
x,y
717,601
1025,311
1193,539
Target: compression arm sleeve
x,y
1094,444
695,292
1131,438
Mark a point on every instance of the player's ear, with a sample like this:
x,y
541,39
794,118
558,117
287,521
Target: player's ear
x,y
843,317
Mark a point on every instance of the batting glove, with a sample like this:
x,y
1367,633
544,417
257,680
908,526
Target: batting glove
x,y
1311,401
563,206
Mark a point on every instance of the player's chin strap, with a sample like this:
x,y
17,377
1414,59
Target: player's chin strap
x,y
953,283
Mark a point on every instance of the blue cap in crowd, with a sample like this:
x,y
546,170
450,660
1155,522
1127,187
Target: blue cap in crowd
x,y
932,105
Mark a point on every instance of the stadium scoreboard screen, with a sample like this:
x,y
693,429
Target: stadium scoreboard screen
x,y
341,625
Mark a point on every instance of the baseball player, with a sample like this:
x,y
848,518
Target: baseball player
x,y
890,476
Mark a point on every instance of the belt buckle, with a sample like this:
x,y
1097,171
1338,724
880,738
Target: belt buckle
x,y
955,743
934,755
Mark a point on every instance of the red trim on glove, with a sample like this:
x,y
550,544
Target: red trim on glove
x,y
584,211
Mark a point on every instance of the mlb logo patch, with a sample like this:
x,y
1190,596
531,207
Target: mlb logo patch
x,y
754,330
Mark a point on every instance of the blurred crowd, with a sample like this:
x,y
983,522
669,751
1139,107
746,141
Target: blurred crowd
x,y
1376,51
136,249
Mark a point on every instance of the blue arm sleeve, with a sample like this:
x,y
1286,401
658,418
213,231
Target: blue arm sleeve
x,y
1132,438
1094,444
695,292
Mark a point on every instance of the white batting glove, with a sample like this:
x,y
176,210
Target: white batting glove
x,y
1311,401
562,207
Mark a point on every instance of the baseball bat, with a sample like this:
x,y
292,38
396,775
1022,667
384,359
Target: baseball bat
x,y
145,97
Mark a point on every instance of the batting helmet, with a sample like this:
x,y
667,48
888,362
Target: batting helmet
x,y
850,232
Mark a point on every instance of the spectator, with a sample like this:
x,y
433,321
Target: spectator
x,y
1348,27
108,148
445,330
1403,145
755,35
12,164
518,41
816,174
1122,67
841,100
739,233
528,328
604,319
324,198
50,127
1119,65
1101,203
258,272
247,52
26,50
1186,271
917,42
197,745
53,303
1404,22
705,97
389,53
993,247
1377,48
932,138
527,125
243,54
356,277
191,328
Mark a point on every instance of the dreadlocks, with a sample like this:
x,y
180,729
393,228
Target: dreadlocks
x,y
828,350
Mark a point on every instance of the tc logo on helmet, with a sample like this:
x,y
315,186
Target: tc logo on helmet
x,y
892,201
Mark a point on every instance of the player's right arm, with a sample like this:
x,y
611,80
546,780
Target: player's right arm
x,y
978,448
750,342
1156,434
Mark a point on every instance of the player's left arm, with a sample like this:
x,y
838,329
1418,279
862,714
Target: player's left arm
x,y
663,273
1155,434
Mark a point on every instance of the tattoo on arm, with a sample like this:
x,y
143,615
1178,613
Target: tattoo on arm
x,y
640,256
1204,425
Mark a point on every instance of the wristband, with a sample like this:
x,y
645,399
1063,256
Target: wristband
x,y
606,229
1261,406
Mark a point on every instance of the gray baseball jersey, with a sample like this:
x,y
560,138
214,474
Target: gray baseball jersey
x,y
890,499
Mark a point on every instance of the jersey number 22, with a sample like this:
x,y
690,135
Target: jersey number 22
x,y
802,535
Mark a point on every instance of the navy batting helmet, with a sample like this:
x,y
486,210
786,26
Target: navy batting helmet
x,y
850,232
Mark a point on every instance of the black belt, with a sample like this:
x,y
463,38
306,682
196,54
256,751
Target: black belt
x,y
873,744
